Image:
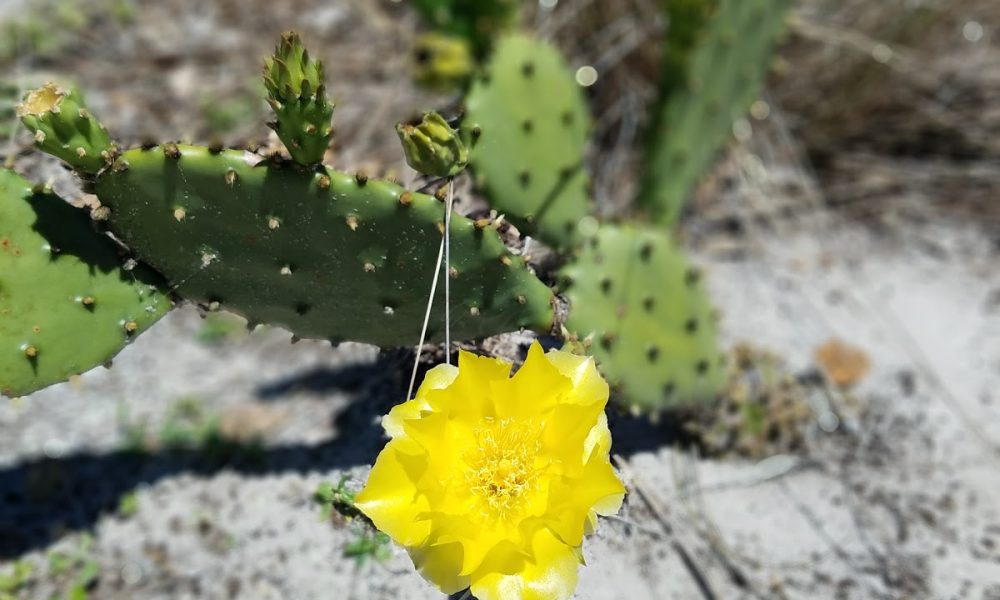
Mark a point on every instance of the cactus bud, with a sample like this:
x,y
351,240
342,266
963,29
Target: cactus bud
x,y
432,147
442,62
64,128
296,92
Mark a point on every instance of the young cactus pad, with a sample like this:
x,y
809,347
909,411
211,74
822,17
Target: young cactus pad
x,y
325,254
66,304
724,76
528,125
64,127
297,93
652,328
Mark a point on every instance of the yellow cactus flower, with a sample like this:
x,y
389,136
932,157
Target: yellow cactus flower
x,y
491,481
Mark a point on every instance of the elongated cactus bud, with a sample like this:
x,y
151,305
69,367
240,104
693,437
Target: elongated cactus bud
x,y
296,91
432,147
64,128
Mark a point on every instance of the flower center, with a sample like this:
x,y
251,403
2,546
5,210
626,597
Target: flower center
x,y
501,467
41,101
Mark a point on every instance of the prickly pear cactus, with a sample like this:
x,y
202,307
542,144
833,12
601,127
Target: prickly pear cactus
x,y
478,21
325,254
296,91
528,123
724,76
66,305
653,332
63,127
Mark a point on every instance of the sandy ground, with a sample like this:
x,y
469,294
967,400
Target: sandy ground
x,y
894,494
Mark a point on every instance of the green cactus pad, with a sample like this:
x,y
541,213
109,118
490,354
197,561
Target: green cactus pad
x,y
64,128
324,254
66,305
725,72
296,91
528,123
653,331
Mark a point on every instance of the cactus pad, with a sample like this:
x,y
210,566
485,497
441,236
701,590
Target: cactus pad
x,y
296,91
325,254
652,327
64,128
528,125
65,303
725,72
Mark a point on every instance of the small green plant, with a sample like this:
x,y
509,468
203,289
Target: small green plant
x,y
367,543
218,328
336,498
77,571
188,428
15,579
128,504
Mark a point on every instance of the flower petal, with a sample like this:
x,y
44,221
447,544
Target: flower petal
x,y
551,575
437,378
440,565
534,389
468,398
571,501
391,500
588,385
598,441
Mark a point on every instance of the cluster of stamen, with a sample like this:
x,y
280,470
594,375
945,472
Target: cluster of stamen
x,y
501,467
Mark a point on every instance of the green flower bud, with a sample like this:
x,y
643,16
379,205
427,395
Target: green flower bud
x,y
432,147
442,62
296,90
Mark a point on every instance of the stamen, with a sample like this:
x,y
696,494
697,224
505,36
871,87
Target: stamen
x,y
501,468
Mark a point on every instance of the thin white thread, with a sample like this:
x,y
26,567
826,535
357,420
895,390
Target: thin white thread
x,y
444,253
447,271
427,318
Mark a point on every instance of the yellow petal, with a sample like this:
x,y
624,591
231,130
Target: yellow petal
x,y
572,500
534,389
391,500
477,540
439,565
551,575
437,378
469,397
598,441
568,429
588,385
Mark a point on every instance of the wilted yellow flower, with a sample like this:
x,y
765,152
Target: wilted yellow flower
x,y
491,481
